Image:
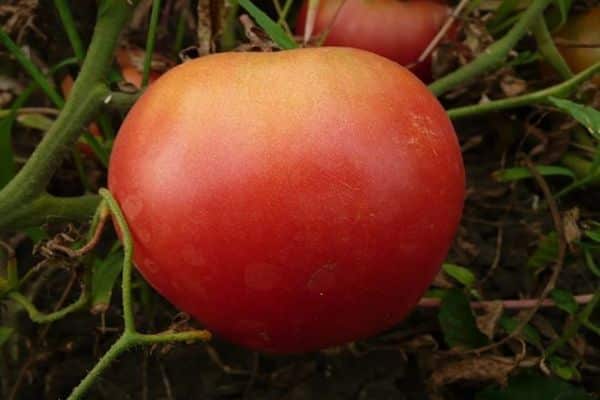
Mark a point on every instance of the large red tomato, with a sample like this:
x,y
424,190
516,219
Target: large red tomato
x,y
398,30
578,41
293,200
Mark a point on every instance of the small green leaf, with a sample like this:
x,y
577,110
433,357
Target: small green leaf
x,y
35,121
563,369
586,116
530,334
435,293
104,276
593,234
523,58
5,333
517,173
458,323
545,253
461,274
272,28
531,386
564,300
589,261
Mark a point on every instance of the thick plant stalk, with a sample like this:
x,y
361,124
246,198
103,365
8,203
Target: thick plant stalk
x,y
88,95
494,54
561,90
130,336
548,49
46,208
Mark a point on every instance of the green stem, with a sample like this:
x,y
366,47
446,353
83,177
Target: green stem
x,y
495,54
80,169
573,327
228,39
47,208
69,24
167,337
7,160
285,11
127,240
121,345
41,318
150,41
180,29
122,101
130,336
548,49
87,96
561,90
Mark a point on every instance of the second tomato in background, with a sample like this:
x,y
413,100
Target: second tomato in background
x,y
398,30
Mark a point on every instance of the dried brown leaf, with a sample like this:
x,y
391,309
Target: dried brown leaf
x,y
512,86
488,321
478,368
442,281
571,227
211,20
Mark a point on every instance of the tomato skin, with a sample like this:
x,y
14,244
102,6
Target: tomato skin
x,y
585,29
398,30
290,201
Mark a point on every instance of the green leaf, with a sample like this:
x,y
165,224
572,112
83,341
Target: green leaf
x,y
35,121
563,7
517,173
104,276
545,253
461,274
529,333
531,386
272,28
5,333
458,323
586,116
503,11
593,234
564,300
563,369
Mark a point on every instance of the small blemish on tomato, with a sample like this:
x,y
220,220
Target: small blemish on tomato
x,y
322,279
132,207
144,235
149,266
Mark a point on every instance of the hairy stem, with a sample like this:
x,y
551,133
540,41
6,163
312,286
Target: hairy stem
x,y
127,240
87,96
130,336
495,54
561,90
47,208
150,41
41,318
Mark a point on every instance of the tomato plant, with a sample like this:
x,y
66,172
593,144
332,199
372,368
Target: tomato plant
x,y
578,40
295,200
398,30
